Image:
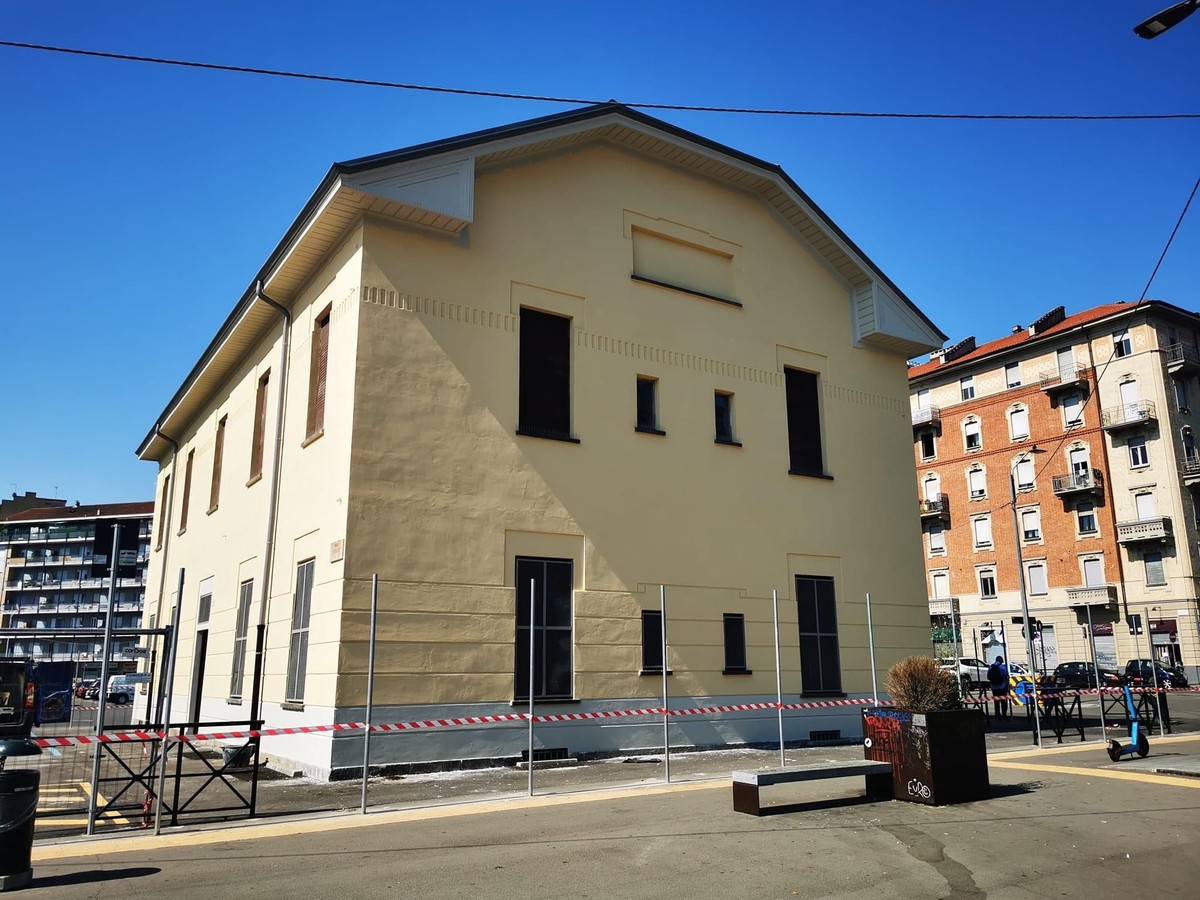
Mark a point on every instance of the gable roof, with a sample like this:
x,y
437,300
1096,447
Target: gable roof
x,y
83,511
1011,341
432,185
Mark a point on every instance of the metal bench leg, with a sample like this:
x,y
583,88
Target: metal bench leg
x,y
745,798
880,787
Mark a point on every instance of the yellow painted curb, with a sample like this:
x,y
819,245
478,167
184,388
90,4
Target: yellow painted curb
x,y
1143,777
143,842
1086,746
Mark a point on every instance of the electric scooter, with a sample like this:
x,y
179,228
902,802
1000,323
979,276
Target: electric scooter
x,y
1137,738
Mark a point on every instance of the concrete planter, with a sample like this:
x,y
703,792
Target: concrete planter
x,y
937,758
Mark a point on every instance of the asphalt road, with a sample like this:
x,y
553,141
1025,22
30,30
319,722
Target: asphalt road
x,y
1061,822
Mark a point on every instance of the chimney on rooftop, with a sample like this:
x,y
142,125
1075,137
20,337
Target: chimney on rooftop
x,y
1017,329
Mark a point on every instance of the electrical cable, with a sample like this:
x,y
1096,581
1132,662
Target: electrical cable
x,y
542,98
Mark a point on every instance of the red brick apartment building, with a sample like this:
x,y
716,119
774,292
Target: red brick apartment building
x,y
1087,420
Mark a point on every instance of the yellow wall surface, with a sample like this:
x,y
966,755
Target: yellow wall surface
x,y
443,495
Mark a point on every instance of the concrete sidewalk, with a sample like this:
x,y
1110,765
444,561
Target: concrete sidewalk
x,y
1064,822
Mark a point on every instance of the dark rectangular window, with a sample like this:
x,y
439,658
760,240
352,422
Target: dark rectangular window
x,y
820,666
544,404
552,584
298,645
652,656
723,411
735,643
804,423
928,447
317,371
260,427
241,628
187,492
647,405
214,493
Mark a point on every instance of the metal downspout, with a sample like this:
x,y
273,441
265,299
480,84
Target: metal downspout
x,y
272,504
166,521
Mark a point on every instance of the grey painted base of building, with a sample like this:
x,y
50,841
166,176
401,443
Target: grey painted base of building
x,y
506,743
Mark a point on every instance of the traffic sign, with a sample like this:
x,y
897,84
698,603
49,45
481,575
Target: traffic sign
x,y
1134,621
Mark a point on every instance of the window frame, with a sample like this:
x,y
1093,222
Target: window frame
x,y
1045,583
1122,344
1031,535
185,502
545,383
1086,508
1158,563
723,419
652,642
972,492
986,522
1009,368
940,530
802,390
929,435
297,663
1014,432
1137,446
538,570
989,574
647,420
734,629
972,426
241,630
318,376
824,638
214,491
966,387
259,436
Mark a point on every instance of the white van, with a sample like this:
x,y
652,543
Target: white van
x,y
121,688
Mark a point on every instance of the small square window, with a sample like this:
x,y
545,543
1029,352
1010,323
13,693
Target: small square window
x,y
1138,456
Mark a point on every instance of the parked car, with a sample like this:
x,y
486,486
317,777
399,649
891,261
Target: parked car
x,y
1178,676
969,671
82,689
1083,675
1139,672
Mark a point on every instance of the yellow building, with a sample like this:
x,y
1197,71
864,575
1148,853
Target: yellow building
x,y
584,356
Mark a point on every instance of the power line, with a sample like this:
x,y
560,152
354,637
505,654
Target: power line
x,y
543,98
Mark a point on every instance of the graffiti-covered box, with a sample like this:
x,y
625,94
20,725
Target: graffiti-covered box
x,y
937,758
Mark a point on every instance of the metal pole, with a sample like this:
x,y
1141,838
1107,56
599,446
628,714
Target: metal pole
x,y
1028,630
662,607
1096,668
778,678
1162,726
953,632
103,692
871,644
975,642
531,620
172,653
370,687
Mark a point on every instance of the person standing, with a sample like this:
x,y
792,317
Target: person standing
x,y
998,679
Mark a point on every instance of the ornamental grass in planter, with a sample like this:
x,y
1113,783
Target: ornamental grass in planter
x,y
935,746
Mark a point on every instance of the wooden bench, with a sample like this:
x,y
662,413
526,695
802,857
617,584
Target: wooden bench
x,y
746,785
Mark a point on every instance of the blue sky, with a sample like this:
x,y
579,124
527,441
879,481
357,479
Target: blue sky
x,y
140,200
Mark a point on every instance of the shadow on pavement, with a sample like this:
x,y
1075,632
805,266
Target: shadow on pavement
x,y
91,876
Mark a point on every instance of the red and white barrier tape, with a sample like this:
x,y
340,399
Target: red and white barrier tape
x,y
142,736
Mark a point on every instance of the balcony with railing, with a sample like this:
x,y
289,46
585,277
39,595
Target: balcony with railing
x,y
1091,481
935,507
1092,595
1143,530
1182,359
927,417
1064,378
1190,469
1128,415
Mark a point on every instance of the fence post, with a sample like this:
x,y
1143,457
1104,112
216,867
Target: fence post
x,y
662,614
1096,668
531,620
370,687
871,644
103,692
778,677
172,652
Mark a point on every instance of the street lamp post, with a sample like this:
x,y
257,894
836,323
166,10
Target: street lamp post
x,y
1028,629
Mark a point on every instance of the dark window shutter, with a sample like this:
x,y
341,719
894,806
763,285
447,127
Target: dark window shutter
x,y
214,494
318,369
260,426
187,491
